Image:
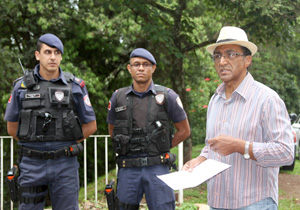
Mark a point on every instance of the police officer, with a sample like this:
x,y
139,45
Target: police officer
x,y
138,118
49,113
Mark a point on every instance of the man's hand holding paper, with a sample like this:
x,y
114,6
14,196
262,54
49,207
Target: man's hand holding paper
x,y
193,176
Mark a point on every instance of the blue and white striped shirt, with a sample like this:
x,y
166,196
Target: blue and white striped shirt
x,y
253,113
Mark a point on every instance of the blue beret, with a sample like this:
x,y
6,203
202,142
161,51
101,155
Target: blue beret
x,y
141,52
52,41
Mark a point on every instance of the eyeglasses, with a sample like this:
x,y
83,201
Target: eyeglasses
x,y
227,55
137,65
46,125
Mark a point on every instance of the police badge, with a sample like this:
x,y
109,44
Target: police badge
x,y
59,95
160,98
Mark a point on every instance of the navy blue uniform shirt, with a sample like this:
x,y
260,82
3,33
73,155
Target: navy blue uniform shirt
x,y
81,101
175,109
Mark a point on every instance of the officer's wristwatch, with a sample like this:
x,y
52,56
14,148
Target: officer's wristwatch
x,y
246,154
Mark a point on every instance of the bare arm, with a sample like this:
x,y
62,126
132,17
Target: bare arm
x,y
88,129
12,128
110,129
182,133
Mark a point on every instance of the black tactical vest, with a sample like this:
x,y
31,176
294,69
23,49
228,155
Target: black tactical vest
x,y
141,124
49,113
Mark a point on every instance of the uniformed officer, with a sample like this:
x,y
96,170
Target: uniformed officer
x,y
138,118
49,113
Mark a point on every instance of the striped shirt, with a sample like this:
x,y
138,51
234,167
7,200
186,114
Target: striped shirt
x,y
253,113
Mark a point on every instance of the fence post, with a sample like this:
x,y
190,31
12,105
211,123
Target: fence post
x,y
1,154
96,169
180,164
85,170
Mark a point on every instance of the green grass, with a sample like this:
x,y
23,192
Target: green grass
x,y
292,203
191,196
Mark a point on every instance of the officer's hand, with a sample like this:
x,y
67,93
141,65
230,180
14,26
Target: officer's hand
x,y
190,165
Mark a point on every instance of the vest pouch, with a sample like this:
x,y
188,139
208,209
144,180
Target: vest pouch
x,y
72,127
45,126
159,142
121,127
121,144
24,127
162,116
33,100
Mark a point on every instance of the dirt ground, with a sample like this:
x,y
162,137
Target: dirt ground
x,y
289,186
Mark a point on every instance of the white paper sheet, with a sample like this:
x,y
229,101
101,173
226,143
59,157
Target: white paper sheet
x,y
201,173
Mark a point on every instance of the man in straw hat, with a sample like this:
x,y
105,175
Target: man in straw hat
x,y
248,127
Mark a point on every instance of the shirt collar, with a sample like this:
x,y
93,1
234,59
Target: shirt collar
x,y
150,88
242,89
61,75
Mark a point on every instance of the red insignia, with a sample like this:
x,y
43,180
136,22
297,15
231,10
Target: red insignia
x,y
82,84
9,100
87,100
109,105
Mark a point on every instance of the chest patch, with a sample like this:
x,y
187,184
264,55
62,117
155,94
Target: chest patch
x,y
59,95
120,108
160,98
33,95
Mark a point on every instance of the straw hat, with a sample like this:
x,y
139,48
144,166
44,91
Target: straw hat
x,y
232,35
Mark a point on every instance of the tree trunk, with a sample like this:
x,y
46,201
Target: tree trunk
x,y
178,84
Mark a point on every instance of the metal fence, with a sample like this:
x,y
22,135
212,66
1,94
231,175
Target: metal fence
x,y
95,137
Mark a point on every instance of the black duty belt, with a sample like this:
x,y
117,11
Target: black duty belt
x,y
141,162
70,151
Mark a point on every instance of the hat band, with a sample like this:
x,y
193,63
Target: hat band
x,y
227,40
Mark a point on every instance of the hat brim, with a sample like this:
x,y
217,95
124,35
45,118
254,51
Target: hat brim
x,y
251,46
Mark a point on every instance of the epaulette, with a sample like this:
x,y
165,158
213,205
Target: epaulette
x,y
15,82
69,76
79,82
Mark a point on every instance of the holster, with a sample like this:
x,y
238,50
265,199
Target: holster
x,y
12,181
112,200
15,190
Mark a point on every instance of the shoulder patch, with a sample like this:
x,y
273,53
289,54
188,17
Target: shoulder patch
x,y
79,82
9,100
179,102
87,100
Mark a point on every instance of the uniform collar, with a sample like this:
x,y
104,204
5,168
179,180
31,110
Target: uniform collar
x,y
61,75
150,88
242,89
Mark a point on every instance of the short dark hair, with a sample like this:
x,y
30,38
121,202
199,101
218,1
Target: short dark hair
x,y
39,45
